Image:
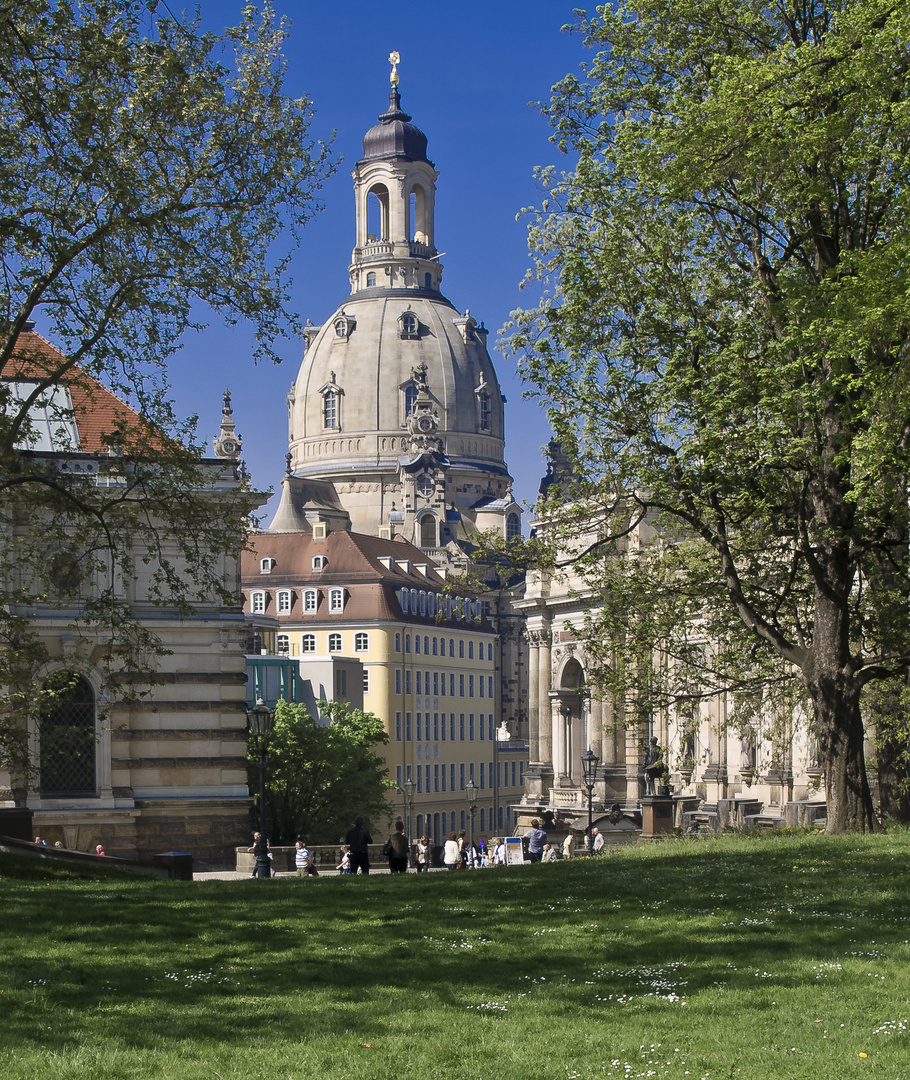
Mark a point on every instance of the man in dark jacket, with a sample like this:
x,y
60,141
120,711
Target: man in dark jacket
x,y
358,840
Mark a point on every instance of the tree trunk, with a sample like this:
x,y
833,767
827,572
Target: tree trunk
x,y
835,694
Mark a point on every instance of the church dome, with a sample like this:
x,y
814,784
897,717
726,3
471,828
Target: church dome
x,y
394,135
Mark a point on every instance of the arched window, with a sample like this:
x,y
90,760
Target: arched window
x,y
283,644
378,213
371,279
428,281
308,643
486,411
408,326
428,532
67,737
410,399
513,526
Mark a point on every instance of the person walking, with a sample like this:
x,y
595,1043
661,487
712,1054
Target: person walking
x,y
423,855
598,844
359,840
262,868
568,845
345,865
452,855
301,858
396,849
536,839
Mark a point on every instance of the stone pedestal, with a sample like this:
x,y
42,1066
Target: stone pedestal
x,y
656,817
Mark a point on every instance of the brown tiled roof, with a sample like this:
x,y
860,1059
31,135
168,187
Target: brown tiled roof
x,y
352,560
98,412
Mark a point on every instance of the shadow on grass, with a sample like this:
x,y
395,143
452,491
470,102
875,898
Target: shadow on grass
x,y
142,961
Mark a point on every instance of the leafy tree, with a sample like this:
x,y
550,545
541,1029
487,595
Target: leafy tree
x,y
319,777
724,351
147,172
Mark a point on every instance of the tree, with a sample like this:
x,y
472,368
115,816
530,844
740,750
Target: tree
x,y
724,352
141,181
319,777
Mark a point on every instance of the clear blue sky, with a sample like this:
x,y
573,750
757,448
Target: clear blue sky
x,y
468,73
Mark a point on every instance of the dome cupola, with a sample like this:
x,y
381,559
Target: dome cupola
x,y
395,136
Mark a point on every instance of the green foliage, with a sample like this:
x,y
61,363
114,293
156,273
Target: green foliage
x,y
148,173
780,957
320,776
723,343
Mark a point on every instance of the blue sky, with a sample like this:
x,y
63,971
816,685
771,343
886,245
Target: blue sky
x,y
468,73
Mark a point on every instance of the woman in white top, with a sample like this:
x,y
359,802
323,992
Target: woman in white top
x,y
452,854
423,854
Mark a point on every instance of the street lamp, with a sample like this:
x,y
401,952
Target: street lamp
x,y
589,763
259,719
408,786
471,789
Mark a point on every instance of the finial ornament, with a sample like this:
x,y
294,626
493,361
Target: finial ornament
x,y
394,60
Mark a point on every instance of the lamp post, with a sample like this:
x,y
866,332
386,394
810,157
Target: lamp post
x,y
471,789
408,786
589,763
259,719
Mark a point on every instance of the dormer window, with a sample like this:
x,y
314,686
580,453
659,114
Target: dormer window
x,y
257,603
343,325
266,565
319,562
330,409
486,412
331,403
513,526
408,326
336,601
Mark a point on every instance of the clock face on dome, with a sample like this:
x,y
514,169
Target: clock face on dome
x,y
425,423
228,446
425,485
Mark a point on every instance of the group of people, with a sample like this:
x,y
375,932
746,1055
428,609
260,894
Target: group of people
x,y
457,852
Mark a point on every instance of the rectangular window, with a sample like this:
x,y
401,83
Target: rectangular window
x,y
442,732
420,727
452,726
461,685
407,682
443,778
470,650
284,602
480,681
258,602
521,772
492,733
461,726
397,680
419,689
471,770
489,685
419,780
451,684
398,727
436,727
366,680
428,779
470,686
310,600
452,777
398,775
480,721
461,776
336,600
482,775
407,727
436,778
471,727
435,684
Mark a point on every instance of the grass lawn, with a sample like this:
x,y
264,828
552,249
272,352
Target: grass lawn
x,y
778,957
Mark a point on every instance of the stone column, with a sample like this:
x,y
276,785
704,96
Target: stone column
x,y
533,638
543,698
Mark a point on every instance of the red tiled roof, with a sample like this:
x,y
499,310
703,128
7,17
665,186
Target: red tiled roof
x,y
352,560
98,412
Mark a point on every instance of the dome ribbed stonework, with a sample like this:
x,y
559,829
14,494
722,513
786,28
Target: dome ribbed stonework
x,y
395,135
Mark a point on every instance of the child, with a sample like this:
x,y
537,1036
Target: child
x,y
345,865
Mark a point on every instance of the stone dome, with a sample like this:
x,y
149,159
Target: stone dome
x,y
394,135
366,355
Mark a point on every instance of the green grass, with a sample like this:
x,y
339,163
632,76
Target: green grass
x,y
775,958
